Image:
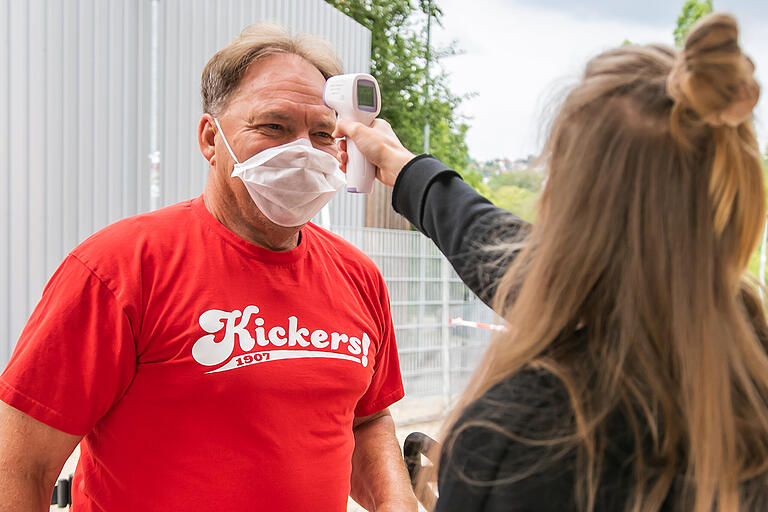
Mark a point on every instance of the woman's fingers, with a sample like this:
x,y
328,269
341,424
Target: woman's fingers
x,y
378,144
342,154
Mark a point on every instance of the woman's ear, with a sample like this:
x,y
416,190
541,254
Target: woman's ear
x,y
206,138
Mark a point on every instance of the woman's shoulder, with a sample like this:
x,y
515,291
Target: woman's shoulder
x,y
519,414
520,399
501,446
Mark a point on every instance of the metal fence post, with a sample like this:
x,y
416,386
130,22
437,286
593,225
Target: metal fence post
x,y
446,332
422,287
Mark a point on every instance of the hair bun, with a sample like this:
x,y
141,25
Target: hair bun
x,y
711,74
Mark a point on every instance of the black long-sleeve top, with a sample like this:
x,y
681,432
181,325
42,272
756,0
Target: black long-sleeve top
x,y
467,228
476,471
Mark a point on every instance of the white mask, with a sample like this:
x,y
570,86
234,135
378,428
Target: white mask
x,y
289,183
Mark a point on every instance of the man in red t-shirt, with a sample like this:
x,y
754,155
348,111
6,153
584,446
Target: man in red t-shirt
x,y
221,353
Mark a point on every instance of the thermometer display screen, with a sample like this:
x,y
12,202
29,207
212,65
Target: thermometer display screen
x,y
365,95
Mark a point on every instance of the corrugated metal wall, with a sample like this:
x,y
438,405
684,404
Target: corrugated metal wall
x,y
74,96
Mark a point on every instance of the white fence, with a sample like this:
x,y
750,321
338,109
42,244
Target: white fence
x,y
436,357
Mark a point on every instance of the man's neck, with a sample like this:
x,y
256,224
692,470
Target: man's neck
x,y
249,224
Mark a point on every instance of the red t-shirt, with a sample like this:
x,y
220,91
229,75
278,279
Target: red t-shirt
x,y
205,372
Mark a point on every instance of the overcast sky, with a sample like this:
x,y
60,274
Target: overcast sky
x,y
521,55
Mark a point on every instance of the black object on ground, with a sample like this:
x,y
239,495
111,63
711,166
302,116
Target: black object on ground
x,y
416,445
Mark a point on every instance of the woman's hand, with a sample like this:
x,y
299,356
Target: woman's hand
x,y
378,143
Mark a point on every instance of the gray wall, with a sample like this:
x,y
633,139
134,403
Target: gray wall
x,y
74,118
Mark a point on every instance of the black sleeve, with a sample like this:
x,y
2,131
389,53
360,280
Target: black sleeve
x,y
486,468
479,239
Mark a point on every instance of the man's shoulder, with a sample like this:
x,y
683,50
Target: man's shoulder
x,y
342,249
131,236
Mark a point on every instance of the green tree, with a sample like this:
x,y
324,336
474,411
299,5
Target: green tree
x,y
754,262
529,180
693,10
399,55
474,178
765,166
520,201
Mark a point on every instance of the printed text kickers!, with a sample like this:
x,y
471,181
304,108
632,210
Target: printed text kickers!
x,y
210,352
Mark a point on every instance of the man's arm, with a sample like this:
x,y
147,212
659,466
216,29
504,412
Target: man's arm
x,y
31,457
379,478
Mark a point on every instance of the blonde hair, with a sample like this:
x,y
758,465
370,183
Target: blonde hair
x,y
648,220
222,74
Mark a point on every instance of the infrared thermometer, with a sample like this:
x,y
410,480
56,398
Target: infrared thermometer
x,y
355,96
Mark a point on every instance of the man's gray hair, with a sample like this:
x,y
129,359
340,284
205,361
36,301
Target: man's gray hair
x,y
222,74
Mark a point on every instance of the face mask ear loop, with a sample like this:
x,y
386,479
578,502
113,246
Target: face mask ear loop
x,y
232,154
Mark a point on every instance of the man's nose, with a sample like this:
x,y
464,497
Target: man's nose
x,y
303,133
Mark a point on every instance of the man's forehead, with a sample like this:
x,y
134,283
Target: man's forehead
x,y
272,111
285,73
283,87
285,92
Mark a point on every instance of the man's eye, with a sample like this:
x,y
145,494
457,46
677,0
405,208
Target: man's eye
x,y
272,126
323,135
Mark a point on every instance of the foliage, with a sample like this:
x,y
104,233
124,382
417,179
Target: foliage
x,y
399,55
529,180
693,10
474,179
765,159
754,262
520,201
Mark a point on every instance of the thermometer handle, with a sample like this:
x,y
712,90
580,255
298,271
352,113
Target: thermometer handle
x,y
360,172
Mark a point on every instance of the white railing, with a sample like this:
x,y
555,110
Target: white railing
x,y
436,355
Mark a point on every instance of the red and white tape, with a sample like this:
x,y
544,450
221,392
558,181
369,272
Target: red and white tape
x,y
477,325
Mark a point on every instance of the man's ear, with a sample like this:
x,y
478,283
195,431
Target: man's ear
x,y
206,135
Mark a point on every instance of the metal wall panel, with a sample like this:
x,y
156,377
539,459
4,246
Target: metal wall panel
x,y
5,180
19,149
74,119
